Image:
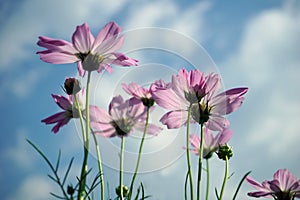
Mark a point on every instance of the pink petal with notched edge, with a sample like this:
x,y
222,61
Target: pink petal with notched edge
x,y
98,114
174,119
103,129
223,137
55,45
263,190
108,31
217,122
135,90
137,109
284,180
212,84
110,45
152,129
83,39
81,71
57,57
55,118
60,118
195,141
167,98
122,60
60,124
62,102
228,101
105,66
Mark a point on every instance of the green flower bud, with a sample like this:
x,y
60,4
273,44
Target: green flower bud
x,y
125,191
225,151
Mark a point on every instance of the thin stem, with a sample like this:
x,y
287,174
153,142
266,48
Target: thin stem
x,y
225,178
207,178
84,168
200,162
140,153
99,166
80,116
188,156
121,167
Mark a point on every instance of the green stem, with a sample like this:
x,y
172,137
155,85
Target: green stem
x,y
200,162
84,168
121,167
80,116
207,178
99,166
188,156
225,178
140,154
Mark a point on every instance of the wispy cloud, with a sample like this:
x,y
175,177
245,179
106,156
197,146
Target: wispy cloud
x,y
267,61
34,188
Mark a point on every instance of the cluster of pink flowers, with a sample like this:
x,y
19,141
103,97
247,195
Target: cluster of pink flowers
x,y
191,97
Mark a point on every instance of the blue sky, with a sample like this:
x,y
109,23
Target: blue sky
x,y
251,43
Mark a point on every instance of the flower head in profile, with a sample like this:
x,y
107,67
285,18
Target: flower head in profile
x,y
88,52
121,119
140,93
211,144
284,186
69,110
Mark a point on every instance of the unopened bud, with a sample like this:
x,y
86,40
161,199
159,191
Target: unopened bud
x,y
72,86
125,191
70,190
225,151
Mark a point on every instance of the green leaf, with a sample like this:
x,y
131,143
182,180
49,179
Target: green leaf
x,y
240,184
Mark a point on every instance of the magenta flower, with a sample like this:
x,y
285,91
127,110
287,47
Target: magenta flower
x,y
194,89
186,88
211,144
284,186
137,91
90,53
70,111
121,119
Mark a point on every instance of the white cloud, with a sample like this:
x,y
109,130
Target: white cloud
x,y
267,60
32,18
34,188
18,153
168,14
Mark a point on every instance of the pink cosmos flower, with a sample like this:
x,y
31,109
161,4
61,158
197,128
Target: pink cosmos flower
x,y
69,111
90,53
284,186
186,88
211,144
198,91
137,91
121,119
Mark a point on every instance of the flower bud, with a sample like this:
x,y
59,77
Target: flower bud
x,y
225,151
125,191
72,86
70,190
